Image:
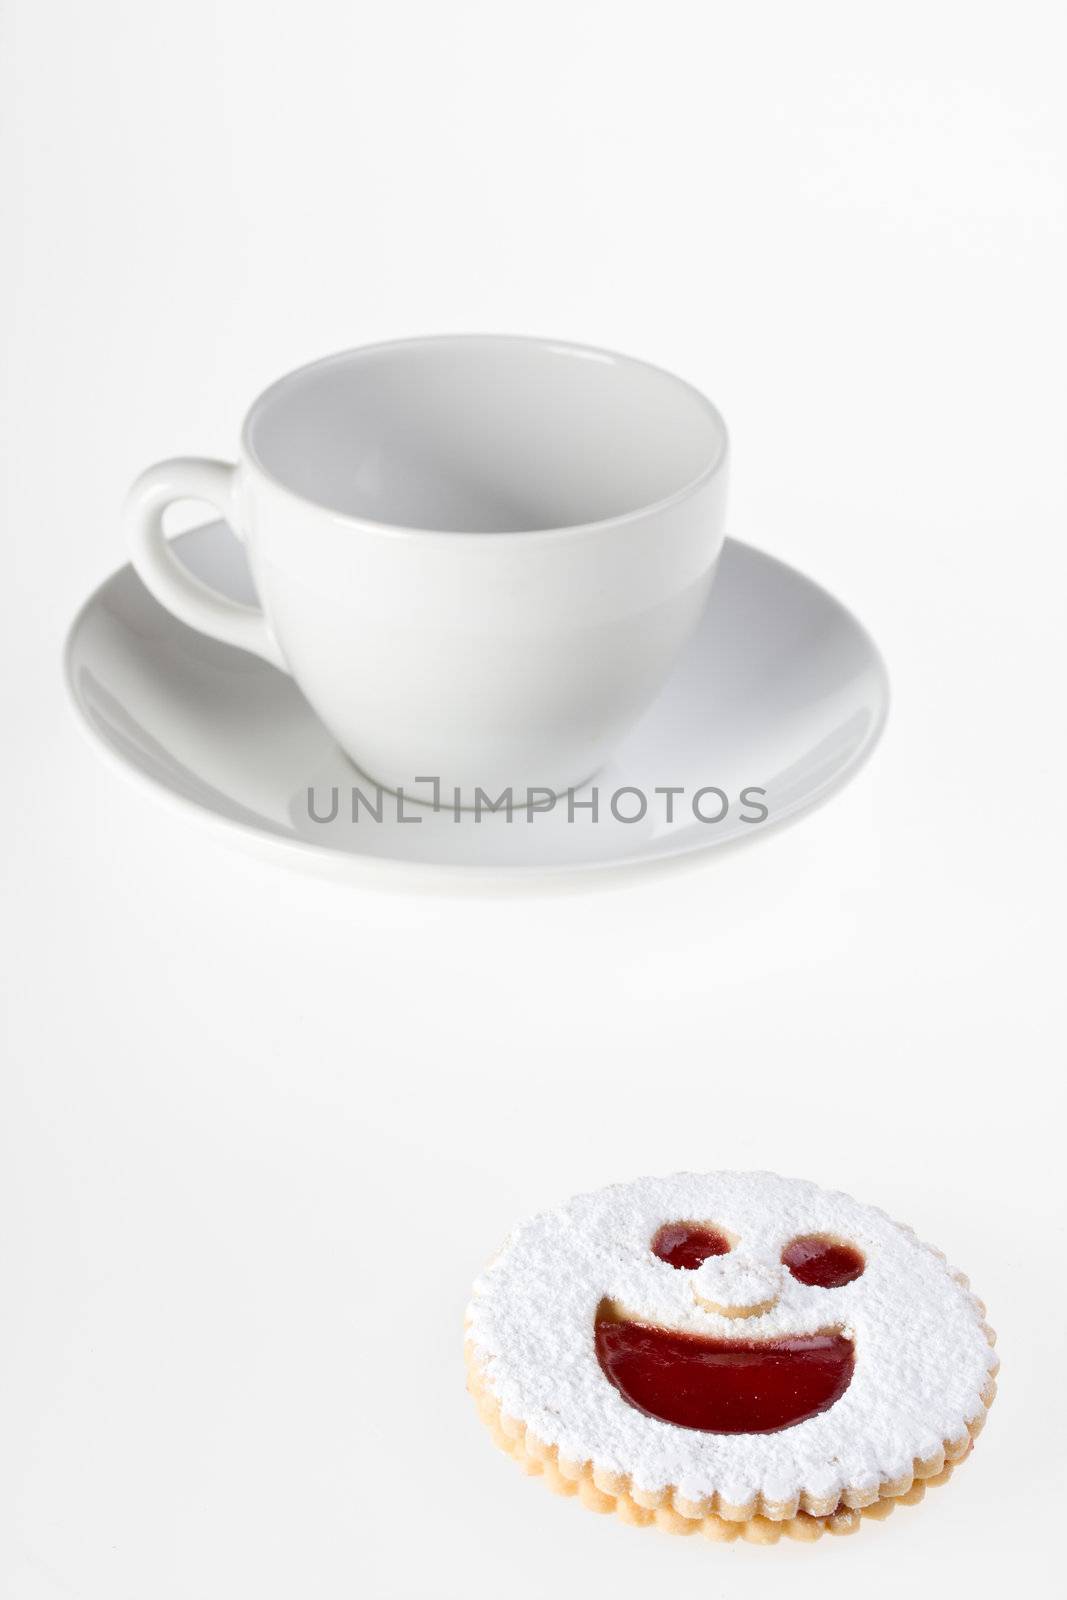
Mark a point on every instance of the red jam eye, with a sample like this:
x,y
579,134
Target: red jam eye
x,y
822,1263
687,1244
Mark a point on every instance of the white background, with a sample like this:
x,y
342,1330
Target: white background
x,y
260,1130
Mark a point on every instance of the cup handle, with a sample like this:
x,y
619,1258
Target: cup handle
x,y
164,576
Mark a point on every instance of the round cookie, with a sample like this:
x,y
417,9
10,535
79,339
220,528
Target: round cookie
x,y
734,1353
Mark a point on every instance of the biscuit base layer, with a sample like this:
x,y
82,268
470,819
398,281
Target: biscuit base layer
x,y
758,1524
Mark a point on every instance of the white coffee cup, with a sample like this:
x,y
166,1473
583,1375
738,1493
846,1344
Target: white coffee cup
x,y
479,557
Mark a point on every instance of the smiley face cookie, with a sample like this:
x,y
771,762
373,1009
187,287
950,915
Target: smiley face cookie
x,y
734,1353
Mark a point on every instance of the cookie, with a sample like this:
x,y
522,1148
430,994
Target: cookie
x,y
731,1353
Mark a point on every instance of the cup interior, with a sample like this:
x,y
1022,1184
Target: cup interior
x,y
483,434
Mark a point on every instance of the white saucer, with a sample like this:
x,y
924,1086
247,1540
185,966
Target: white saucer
x,y
781,690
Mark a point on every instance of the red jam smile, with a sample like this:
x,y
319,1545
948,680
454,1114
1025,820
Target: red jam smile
x,y
723,1385
822,1263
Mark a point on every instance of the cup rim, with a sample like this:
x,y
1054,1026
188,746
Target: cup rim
x,y
569,347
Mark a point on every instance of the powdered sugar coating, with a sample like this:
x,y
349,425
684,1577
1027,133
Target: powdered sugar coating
x,y
922,1353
